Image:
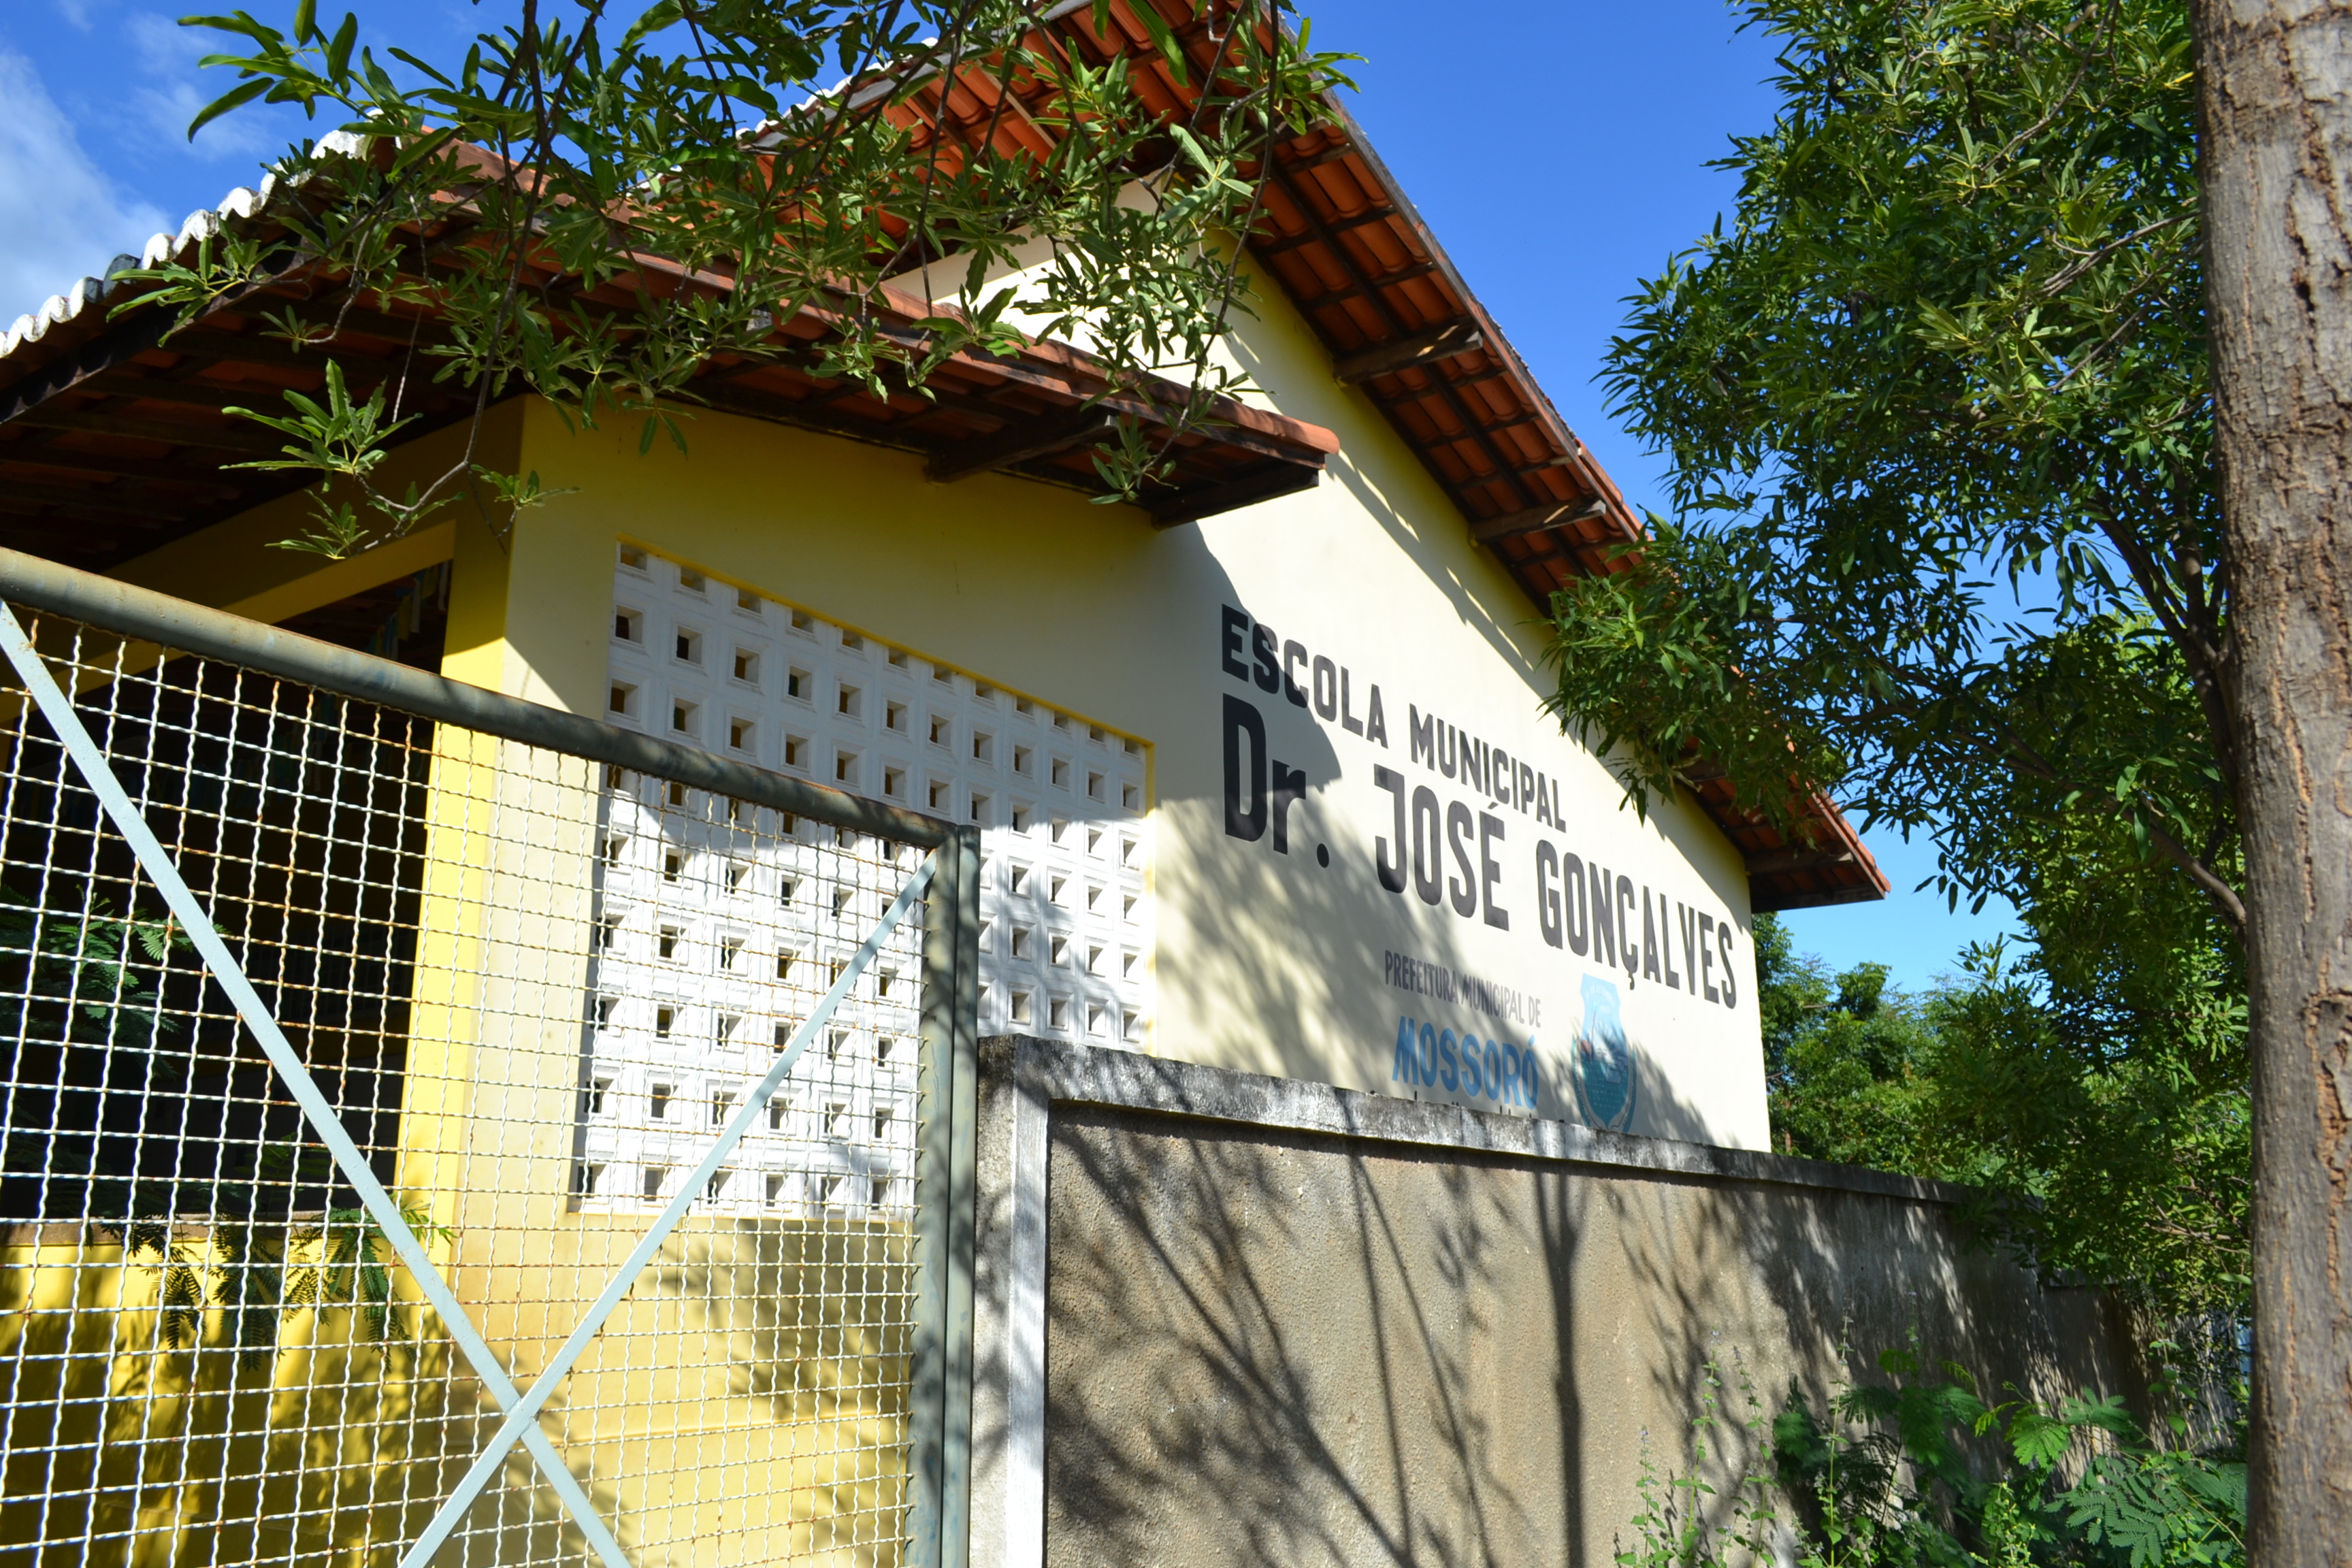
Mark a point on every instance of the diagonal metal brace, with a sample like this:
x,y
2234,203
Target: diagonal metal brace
x,y
522,1417
193,917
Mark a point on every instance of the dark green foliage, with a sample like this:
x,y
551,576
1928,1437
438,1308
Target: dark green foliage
x,y
80,1001
1951,346
2162,1508
81,990
1921,1469
2093,1093
1946,522
2124,1160
1843,1058
83,976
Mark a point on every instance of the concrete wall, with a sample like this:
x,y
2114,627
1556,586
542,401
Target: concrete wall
x,y
1233,1320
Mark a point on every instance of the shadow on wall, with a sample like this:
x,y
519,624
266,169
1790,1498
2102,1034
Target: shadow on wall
x,y
1274,1349
800,1446
1277,1348
748,1397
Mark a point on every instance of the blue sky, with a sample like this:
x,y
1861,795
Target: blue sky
x,y
1557,149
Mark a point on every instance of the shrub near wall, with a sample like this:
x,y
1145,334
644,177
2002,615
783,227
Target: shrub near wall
x,y
1921,1468
129,1442
737,1402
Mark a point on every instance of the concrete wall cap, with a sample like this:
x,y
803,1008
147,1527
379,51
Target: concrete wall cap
x,y
1072,1074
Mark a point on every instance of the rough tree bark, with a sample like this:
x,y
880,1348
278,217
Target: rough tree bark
x,y
2276,87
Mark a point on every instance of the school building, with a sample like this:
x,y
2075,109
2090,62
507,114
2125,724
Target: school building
x,y
1368,1117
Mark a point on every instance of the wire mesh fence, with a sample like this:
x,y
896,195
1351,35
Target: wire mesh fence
x,y
555,1003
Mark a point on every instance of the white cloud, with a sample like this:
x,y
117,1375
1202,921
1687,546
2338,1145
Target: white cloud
x,y
168,53
60,217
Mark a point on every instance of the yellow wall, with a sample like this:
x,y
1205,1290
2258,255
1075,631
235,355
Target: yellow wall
x,y
132,1444
233,566
1266,962
745,1405
1263,962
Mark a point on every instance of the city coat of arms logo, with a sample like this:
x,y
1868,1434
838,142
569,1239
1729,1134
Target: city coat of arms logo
x,y
1604,1060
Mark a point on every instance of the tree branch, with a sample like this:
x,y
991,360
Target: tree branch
x,y
2225,898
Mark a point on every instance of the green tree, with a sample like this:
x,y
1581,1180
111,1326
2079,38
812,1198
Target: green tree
x,y
599,197
1950,349
1947,540
2104,1130
1845,1058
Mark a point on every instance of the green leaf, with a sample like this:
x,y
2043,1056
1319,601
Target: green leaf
x,y
2040,1441
260,33
656,17
243,94
338,52
1171,53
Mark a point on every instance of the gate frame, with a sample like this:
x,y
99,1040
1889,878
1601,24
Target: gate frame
x,y
941,1394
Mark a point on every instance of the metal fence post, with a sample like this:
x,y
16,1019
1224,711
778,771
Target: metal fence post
x,y
935,1099
955,1519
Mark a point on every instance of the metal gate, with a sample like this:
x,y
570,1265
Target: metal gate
x,y
441,1129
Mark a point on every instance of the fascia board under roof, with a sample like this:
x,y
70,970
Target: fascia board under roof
x,y
73,349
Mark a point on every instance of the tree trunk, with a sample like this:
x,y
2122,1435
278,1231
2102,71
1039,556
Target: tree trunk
x,y
2276,88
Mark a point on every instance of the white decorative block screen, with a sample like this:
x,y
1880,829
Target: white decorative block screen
x,y
1066,933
